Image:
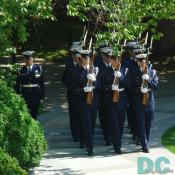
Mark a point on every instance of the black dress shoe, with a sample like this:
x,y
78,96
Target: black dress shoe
x,y
118,151
76,139
108,143
90,152
137,142
82,145
145,150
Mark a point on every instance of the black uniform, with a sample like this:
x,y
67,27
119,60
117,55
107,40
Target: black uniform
x,y
74,118
30,84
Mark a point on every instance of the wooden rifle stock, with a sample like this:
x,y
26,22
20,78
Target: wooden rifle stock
x,y
89,95
116,94
145,97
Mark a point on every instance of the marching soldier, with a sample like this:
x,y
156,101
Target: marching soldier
x,y
83,75
115,108
102,65
70,66
143,81
30,83
129,62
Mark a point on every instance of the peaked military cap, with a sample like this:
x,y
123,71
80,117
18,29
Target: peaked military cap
x,y
110,52
28,54
141,57
105,50
138,51
75,43
74,49
85,53
103,44
131,45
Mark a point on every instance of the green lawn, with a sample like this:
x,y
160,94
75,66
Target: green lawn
x,y
168,139
53,55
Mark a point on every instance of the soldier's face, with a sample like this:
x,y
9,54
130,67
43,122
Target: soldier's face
x,y
106,58
85,61
131,53
113,62
28,62
141,64
75,58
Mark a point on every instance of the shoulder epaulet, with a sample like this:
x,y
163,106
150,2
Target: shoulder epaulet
x,y
126,71
40,69
154,72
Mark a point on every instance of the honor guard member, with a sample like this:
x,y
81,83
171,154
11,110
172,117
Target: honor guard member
x,y
99,62
70,66
99,58
129,62
115,110
85,79
30,83
103,64
143,81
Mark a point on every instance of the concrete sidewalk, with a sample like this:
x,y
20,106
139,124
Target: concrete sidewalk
x,y
64,156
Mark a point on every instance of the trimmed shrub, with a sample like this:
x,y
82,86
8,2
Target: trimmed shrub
x,y
20,135
9,165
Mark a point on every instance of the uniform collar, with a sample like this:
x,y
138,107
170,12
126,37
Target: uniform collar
x,y
86,67
75,63
106,64
30,67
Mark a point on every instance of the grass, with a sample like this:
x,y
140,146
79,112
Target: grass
x,y
53,55
168,139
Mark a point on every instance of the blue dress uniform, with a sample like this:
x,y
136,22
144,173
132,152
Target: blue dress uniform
x,y
144,113
87,111
103,114
129,62
30,84
115,110
72,97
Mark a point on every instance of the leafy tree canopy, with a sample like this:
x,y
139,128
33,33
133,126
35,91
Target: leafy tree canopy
x,y
117,20
14,16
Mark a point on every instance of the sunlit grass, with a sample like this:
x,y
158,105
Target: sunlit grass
x,y
54,55
168,139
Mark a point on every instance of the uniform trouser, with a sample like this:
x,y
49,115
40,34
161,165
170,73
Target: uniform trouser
x,y
74,117
116,118
33,106
144,120
101,111
106,101
131,115
88,115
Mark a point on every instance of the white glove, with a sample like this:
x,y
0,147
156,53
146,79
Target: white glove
x,y
87,89
91,77
144,90
145,77
117,74
114,87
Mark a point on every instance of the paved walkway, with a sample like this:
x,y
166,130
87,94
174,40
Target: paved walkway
x,y
64,156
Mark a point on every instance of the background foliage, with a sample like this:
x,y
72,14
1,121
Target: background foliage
x,y
117,20
14,17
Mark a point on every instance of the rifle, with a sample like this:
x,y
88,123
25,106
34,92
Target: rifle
x,y
89,95
145,97
84,39
116,93
144,82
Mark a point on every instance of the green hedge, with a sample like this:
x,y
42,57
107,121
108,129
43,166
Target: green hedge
x,y
20,135
168,139
9,166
